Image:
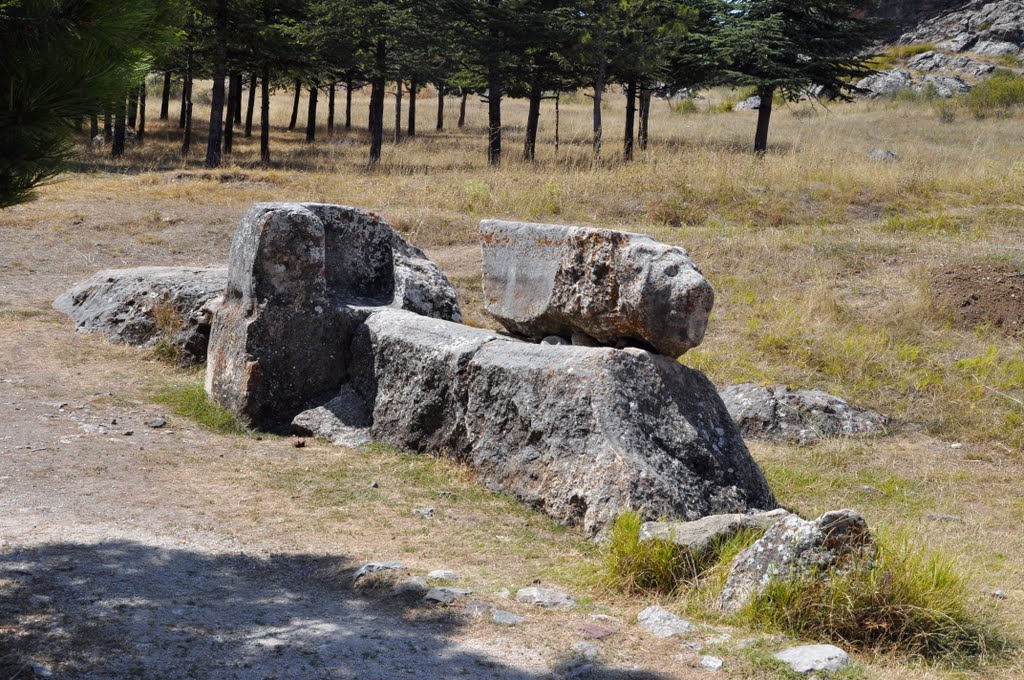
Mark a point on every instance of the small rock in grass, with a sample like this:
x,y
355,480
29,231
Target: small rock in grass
x,y
415,585
374,567
882,156
374,485
588,650
711,663
504,593
425,513
999,594
547,598
662,623
813,658
156,423
504,618
446,595
443,575
939,517
477,608
596,632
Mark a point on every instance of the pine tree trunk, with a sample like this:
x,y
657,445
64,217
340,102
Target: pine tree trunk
x,y
627,142
140,129
229,120
133,108
462,108
377,103
398,111
265,116
252,104
598,94
440,107
330,108
186,105
238,98
532,122
213,142
410,128
94,127
645,117
108,125
348,104
495,92
117,146
558,117
764,117
311,114
295,105
184,85
165,98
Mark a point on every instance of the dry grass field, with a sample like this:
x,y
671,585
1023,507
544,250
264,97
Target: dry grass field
x,y
825,265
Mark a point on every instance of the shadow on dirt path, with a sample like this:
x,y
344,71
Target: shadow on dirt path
x,y
124,609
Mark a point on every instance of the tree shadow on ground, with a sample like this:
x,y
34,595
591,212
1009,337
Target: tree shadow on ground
x,y
130,610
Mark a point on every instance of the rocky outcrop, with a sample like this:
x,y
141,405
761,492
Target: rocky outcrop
x,y
796,548
582,433
619,289
144,305
777,413
960,65
886,83
979,26
301,279
700,536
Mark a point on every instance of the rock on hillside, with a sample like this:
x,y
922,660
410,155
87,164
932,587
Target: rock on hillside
x,y
978,26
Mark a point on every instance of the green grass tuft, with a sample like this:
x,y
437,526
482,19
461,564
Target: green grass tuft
x,y
904,601
999,95
189,400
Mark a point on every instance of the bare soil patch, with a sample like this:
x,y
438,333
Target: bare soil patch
x,y
982,294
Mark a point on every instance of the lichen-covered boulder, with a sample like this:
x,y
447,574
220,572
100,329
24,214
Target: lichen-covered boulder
x,y
778,413
142,305
701,535
618,288
581,433
301,279
795,548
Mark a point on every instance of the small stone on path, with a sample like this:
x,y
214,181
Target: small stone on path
x,y
547,598
443,575
446,595
662,623
588,650
596,632
504,618
711,663
813,658
425,513
156,423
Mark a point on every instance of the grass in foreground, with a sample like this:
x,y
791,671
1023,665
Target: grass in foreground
x,y
189,400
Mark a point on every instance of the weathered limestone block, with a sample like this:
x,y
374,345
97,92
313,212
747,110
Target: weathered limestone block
x,y
301,279
581,433
142,305
795,547
616,287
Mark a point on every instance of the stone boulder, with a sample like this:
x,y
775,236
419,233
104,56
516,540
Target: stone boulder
x,y
748,104
301,279
701,535
814,658
886,83
580,433
777,413
144,305
944,87
933,61
618,288
796,548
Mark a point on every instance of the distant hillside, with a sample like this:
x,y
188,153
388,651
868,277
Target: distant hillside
x,y
978,26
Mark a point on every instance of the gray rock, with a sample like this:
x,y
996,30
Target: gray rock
x,y
814,658
343,421
545,279
587,650
301,278
555,340
982,26
415,585
546,598
945,87
375,567
886,83
748,104
425,513
582,433
446,595
443,575
793,548
711,663
662,623
504,618
933,61
698,536
778,413
882,156
144,305
997,47
156,423
477,608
